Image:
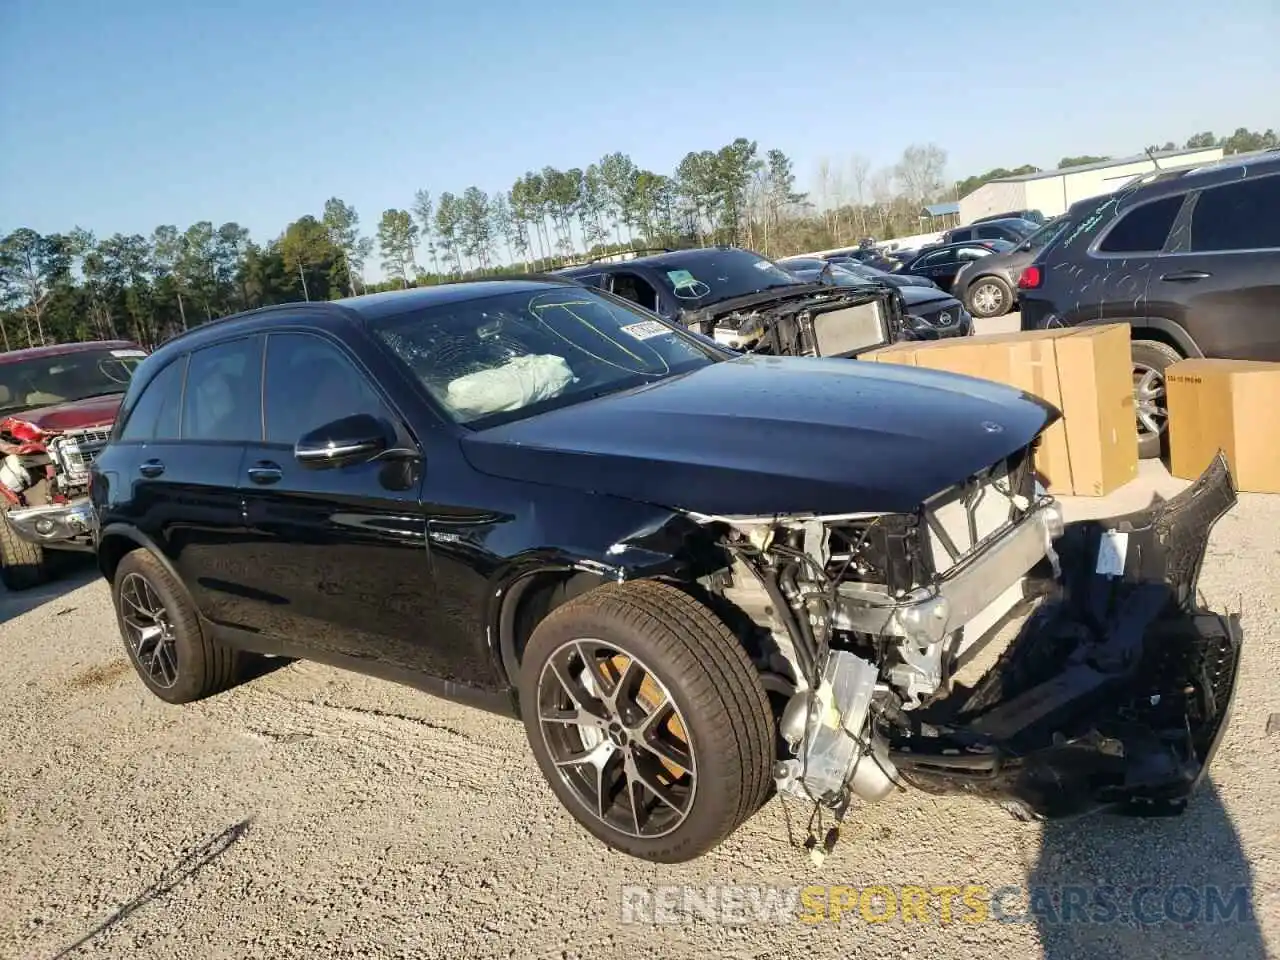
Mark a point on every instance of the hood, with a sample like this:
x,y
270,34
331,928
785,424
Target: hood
x,y
914,296
73,415
763,435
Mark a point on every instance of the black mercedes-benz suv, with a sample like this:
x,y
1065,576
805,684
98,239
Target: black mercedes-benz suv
x,y
697,577
1190,259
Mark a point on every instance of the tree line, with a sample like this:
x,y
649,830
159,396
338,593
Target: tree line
x,y
76,286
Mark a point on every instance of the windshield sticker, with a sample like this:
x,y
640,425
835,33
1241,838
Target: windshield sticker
x,y
646,329
121,354
763,265
681,278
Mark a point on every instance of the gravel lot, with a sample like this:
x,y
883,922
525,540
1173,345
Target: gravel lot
x,y
311,813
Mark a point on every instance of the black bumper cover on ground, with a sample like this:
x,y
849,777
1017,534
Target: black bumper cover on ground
x,y
1115,693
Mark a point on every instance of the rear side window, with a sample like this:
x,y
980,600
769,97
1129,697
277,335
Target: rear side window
x,y
311,382
1238,216
222,400
958,236
1143,229
933,259
155,414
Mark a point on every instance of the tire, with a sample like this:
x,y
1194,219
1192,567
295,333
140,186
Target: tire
x,y
196,665
23,565
693,675
988,297
1150,360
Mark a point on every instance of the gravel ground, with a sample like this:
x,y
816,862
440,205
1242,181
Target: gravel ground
x,y
311,813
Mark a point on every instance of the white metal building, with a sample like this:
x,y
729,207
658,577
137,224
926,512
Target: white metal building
x,y
1053,191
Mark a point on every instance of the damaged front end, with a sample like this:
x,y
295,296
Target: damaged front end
x,y
824,321
44,481
1114,693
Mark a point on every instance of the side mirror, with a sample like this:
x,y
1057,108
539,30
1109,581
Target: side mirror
x,y
343,441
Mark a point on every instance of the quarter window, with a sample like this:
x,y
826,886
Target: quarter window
x,y
155,413
311,382
1143,229
1238,216
222,397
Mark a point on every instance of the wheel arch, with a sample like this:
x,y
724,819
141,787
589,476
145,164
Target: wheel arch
x,y
1161,329
119,539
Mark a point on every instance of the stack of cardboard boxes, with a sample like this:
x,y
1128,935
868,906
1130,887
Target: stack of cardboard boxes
x,y
1085,372
1227,405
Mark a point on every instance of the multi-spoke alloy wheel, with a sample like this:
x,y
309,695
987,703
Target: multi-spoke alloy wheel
x,y
148,630
647,719
168,645
1149,401
617,738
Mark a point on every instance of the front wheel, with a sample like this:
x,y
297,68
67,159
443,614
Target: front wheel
x,y
989,297
648,720
1150,360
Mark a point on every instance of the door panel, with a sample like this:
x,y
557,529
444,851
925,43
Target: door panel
x,y
340,553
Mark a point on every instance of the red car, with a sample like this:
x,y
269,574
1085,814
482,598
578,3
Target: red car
x,y
57,407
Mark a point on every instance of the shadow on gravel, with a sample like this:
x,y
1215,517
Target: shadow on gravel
x,y
71,571
1110,886
184,869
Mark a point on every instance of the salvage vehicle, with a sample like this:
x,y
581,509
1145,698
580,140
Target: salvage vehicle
x,y
57,404
748,303
699,578
795,265
928,313
986,284
1188,258
941,263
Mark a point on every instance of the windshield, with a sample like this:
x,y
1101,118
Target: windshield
x,y
64,378
1044,235
496,359
709,276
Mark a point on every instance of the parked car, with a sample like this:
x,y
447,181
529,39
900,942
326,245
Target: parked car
x,y
986,285
1033,216
1188,258
943,262
697,577
1010,230
798,265
57,404
929,313
747,302
870,256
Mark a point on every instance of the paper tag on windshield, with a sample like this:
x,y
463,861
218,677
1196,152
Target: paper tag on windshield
x,y
681,278
121,354
1112,549
646,329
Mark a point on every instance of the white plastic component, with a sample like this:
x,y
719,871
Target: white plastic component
x,y
13,474
513,385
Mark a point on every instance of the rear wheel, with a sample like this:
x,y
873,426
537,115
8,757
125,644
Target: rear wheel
x,y
163,635
989,297
648,720
1150,360
23,565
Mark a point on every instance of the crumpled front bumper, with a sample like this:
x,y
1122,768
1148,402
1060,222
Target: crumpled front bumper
x,y
58,524
1117,691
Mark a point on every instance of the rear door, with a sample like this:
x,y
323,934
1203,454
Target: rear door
x,y
1221,277
339,553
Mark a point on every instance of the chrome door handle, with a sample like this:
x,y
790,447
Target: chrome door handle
x,y
264,472
1186,276
151,468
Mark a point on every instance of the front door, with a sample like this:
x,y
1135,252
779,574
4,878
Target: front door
x,y
340,552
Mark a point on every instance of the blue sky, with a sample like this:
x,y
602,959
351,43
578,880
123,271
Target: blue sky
x,y
124,115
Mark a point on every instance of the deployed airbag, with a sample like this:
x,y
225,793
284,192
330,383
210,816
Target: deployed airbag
x,y
515,384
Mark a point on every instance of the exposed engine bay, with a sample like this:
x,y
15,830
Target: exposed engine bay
x,y
834,322
1113,693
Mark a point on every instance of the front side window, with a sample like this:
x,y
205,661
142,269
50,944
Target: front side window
x,y
936,259
222,399
958,236
506,357
1238,216
155,413
66,378
311,382
1143,229
972,253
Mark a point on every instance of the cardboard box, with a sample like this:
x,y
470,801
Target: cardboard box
x,y
1227,405
1086,372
